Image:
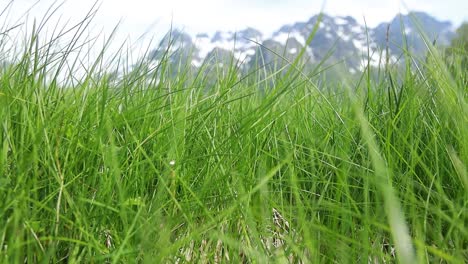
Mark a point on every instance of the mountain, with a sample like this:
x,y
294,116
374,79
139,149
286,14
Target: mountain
x,y
338,39
440,32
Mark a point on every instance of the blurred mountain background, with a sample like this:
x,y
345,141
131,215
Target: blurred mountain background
x,y
339,41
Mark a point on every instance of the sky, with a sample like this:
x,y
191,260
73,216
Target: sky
x,y
139,16
142,22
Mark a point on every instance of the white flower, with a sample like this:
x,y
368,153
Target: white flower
x,y
172,162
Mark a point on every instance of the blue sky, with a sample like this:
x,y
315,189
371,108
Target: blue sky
x,y
139,16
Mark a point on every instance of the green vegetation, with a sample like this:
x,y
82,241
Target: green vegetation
x,y
157,167
457,55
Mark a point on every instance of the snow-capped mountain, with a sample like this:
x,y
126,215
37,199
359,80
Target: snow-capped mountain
x,y
241,44
440,32
339,39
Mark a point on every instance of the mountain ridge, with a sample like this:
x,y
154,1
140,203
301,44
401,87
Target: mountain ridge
x,y
344,35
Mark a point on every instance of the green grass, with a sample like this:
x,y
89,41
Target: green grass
x,y
162,165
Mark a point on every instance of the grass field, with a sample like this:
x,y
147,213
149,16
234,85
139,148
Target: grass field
x,y
161,167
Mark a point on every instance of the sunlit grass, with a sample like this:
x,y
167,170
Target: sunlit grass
x,y
166,163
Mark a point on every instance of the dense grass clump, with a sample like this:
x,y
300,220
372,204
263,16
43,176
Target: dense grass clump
x,y
214,165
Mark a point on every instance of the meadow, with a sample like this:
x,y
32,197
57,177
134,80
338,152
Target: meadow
x,y
165,163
